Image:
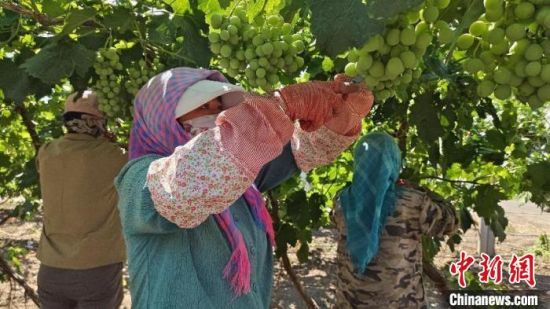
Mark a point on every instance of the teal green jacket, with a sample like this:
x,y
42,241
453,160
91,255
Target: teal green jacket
x,y
170,267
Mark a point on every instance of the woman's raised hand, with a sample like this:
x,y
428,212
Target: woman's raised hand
x,y
312,103
357,104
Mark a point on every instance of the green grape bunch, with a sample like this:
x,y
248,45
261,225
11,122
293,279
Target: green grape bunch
x,y
508,49
117,85
139,73
108,85
391,61
259,52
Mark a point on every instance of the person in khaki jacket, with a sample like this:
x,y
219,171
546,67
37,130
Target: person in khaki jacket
x,y
81,248
380,222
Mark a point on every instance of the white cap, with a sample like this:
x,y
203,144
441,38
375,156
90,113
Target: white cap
x,y
87,103
205,90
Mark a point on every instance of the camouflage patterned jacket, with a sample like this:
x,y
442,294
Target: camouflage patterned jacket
x,y
393,279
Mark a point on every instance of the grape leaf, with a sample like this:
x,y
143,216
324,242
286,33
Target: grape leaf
x,y
539,173
255,8
224,3
387,9
195,46
213,6
129,55
292,7
179,6
315,67
455,239
465,219
59,60
161,30
536,181
316,202
430,247
273,6
296,203
496,139
327,64
17,84
487,200
287,234
30,175
7,18
77,18
424,116
80,83
303,253
53,8
120,18
93,41
498,223
487,206
354,26
14,82
462,154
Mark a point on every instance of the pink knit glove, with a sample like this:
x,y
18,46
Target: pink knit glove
x,y
312,103
348,115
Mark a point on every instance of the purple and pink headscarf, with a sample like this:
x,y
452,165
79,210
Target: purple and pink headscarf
x,y
155,130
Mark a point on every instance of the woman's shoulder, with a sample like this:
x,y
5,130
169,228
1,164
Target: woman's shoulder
x,y
410,196
135,171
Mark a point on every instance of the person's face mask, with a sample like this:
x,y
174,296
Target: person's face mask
x,y
200,124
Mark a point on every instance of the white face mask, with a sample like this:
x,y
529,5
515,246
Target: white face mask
x,y
200,124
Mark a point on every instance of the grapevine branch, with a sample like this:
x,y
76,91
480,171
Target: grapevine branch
x,y
144,44
402,136
288,267
6,269
7,214
453,181
311,304
6,218
39,17
460,29
13,35
433,273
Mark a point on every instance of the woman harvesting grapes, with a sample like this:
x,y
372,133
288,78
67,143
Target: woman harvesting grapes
x,y
380,224
81,247
197,230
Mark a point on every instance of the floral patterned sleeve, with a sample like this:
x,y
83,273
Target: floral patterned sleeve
x,y
210,172
321,147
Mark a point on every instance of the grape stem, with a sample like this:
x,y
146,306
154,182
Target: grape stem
x,y
14,34
140,36
174,54
144,45
109,40
472,182
7,270
34,6
41,18
476,49
459,30
236,5
337,167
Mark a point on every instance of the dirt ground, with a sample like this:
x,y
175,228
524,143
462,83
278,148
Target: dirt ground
x,y
527,223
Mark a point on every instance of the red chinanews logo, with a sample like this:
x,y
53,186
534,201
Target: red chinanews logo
x,y
521,269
